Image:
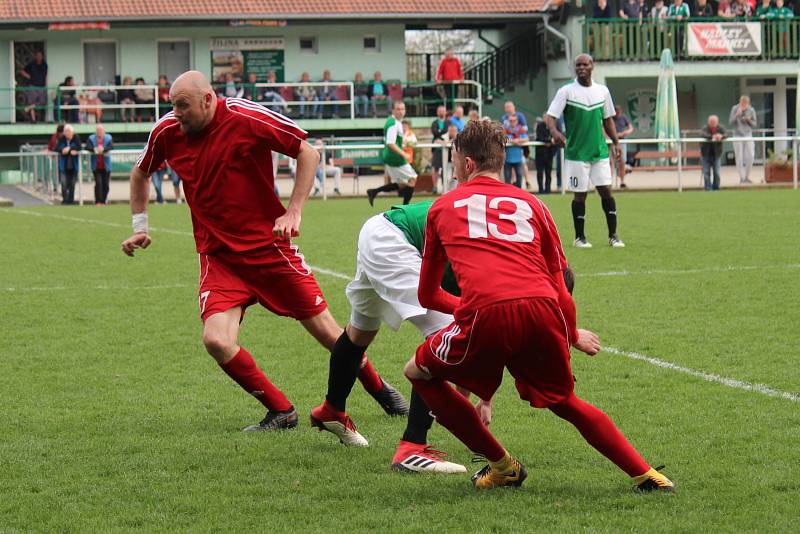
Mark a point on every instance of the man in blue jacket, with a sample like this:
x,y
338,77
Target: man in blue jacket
x,y
100,144
68,147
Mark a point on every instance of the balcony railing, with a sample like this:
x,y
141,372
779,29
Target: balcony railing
x,y
624,40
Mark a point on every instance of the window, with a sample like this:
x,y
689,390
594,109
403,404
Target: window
x,y
372,43
99,62
308,45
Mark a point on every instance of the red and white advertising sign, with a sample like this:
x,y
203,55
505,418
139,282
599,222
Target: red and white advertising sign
x,y
724,38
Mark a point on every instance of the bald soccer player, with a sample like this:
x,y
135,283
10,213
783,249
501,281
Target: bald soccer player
x,y
221,148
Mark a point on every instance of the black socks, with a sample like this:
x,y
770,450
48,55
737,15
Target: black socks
x,y
406,193
419,421
610,207
344,366
386,188
578,218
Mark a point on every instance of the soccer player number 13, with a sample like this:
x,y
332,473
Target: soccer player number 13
x,y
480,228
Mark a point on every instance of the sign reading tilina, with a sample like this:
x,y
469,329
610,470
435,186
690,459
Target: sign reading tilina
x,y
724,38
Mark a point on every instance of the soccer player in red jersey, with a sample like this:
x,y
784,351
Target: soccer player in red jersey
x,y
514,312
221,150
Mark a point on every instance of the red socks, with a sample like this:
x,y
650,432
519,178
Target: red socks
x,y
601,433
457,415
243,370
369,377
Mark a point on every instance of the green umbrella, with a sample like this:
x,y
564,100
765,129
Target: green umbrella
x,y
667,125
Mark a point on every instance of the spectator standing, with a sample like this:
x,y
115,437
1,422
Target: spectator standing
x,y
624,129
457,118
157,177
126,99
56,178
659,11
36,96
307,93
510,109
544,157
163,96
725,9
602,10
379,93
703,9
742,9
409,142
100,144
439,132
143,97
361,95
742,121
679,12
711,152
326,94
272,96
68,148
448,75
515,158
562,129
397,164
630,10
765,10
229,89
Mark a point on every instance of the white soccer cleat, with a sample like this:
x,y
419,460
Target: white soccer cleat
x,y
616,242
339,424
421,458
581,243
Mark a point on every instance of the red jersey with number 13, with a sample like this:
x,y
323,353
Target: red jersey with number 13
x,y
500,240
226,172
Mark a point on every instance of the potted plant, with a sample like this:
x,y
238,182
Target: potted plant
x,y
779,166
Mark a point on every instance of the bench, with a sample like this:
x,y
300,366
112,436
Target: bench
x,y
668,155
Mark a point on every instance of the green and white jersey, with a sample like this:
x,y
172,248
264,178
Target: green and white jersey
x,y
393,133
584,109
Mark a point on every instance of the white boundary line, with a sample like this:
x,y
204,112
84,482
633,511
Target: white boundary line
x,y
723,269
94,288
708,377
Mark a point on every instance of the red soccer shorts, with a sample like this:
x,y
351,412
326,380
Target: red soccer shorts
x,y
277,278
528,336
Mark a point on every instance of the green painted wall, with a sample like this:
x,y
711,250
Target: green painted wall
x,y
531,99
340,49
6,96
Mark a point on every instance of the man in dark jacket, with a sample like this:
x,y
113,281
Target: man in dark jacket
x,y
711,151
100,144
544,157
68,148
439,131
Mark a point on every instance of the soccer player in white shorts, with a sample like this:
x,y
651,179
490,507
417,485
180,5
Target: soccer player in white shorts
x,y
402,176
588,113
384,290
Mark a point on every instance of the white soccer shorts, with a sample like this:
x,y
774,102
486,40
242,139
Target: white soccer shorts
x,y
401,175
384,288
580,173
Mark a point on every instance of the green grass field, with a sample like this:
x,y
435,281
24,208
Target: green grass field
x,y
114,418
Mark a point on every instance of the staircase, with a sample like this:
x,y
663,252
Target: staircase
x,y
515,62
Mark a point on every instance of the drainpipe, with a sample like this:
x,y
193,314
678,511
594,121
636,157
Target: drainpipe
x,y
567,45
485,40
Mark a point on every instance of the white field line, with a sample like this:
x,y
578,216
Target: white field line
x,y
45,289
708,377
720,269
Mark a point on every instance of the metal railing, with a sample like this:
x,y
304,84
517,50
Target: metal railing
x,y
510,64
39,167
630,40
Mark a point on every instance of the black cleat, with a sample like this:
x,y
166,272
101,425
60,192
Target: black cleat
x,y
391,400
371,194
276,421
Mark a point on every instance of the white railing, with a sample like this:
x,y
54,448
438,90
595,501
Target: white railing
x,y
82,107
40,168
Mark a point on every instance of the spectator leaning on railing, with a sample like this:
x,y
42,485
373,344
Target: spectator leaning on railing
x,y
711,152
67,98
143,97
725,9
630,10
163,96
272,97
100,144
742,9
602,10
449,73
703,9
36,97
68,148
659,11
515,159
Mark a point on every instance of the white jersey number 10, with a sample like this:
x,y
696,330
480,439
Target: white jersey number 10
x,y
480,228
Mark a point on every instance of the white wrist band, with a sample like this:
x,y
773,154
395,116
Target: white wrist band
x,y
140,223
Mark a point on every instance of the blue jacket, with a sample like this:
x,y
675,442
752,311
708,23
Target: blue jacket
x,y
108,144
63,160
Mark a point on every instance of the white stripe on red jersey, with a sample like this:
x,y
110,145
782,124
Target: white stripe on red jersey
x,y
167,121
263,115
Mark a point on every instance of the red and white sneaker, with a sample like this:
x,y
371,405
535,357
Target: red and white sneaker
x,y
417,458
326,417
